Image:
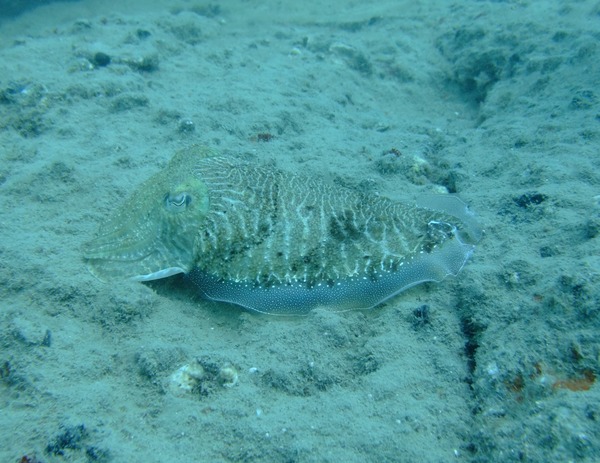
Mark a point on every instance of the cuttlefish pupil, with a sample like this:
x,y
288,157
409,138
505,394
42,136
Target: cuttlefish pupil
x,y
177,203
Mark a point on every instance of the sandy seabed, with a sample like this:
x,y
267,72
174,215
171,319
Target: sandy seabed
x,y
497,102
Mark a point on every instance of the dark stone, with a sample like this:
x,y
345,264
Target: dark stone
x,y
101,60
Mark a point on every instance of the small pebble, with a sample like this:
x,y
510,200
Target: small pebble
x,y
186,126
101,60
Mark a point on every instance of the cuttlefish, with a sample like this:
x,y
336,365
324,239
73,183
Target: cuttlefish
x,y
278,242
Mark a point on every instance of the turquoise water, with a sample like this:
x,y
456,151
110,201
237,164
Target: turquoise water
x,y
495,102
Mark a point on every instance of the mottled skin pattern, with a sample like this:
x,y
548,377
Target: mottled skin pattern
x,y
241,222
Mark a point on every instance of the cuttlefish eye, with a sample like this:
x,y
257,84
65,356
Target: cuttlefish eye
x,y
178,202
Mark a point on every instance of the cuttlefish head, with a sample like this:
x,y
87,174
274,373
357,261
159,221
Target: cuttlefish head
x,y
153,234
